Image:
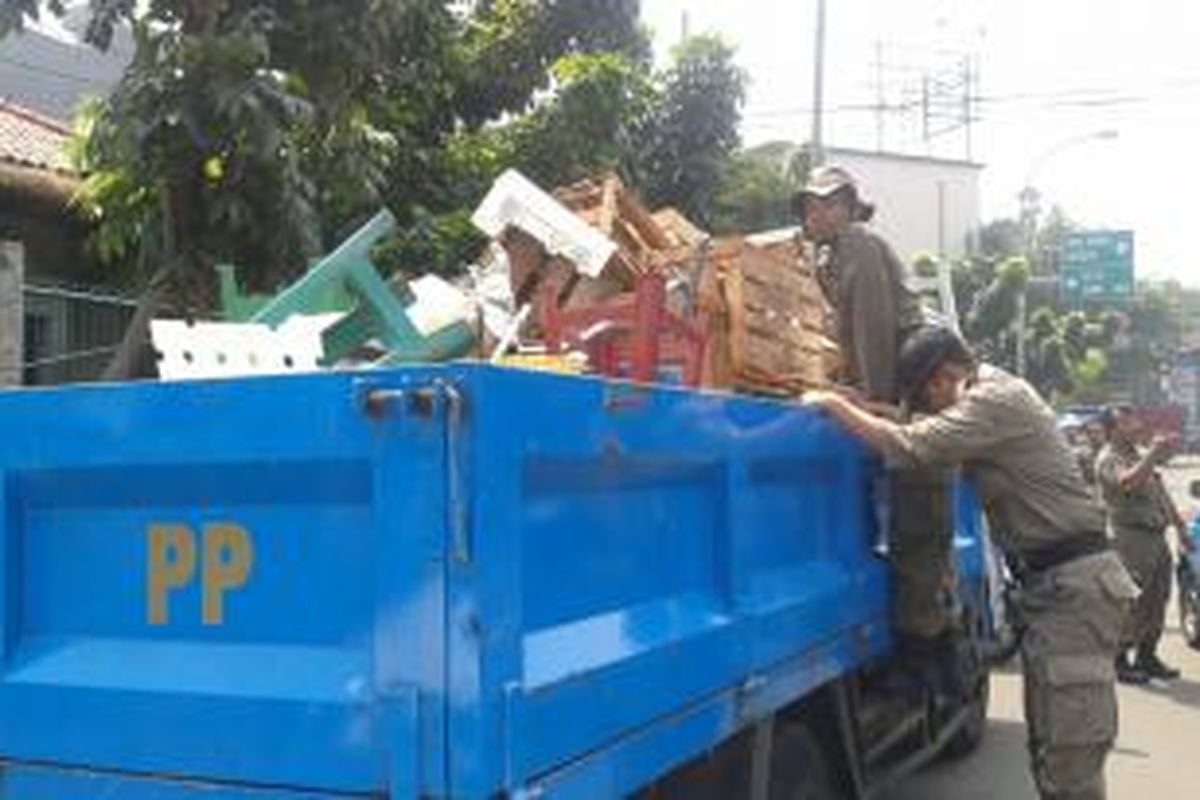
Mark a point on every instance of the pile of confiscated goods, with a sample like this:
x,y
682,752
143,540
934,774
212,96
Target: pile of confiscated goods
x,y
667,301
584,280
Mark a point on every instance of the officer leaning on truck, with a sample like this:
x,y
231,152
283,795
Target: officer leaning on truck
x,y
1139,513
865,283
1075,594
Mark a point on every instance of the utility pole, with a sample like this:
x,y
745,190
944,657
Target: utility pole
x,y
816,142
925,112
880,97
968,112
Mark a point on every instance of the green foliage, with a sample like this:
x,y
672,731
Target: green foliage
x,y
694,130
925,265
432,243
754,195
970,276
608,113
1048,240
1111,325
1043,325
259,132
1050,367
585,127
1146,343
1075,335
255,132
1001,238
590,125
1083,356
507,47
1013,273
1091,370
995,309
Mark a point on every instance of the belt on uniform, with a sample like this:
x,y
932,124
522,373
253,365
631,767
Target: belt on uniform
x,y
1059,553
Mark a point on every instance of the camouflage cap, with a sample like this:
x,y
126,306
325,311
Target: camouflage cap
x,y
825,181
828,181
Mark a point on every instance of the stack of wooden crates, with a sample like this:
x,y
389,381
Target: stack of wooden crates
x,y
767,322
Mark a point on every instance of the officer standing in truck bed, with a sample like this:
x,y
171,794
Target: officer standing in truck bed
x,y
866,283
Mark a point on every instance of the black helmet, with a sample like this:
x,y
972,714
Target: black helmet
x,y
923,353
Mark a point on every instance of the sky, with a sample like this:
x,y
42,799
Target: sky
x,y
1053,75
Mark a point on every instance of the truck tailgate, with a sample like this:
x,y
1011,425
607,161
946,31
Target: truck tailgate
x,y
225,582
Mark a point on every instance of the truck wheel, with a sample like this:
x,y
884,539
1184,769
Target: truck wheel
x,y
968,738
800,768
1189,614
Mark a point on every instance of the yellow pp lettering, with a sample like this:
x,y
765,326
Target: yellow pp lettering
x,y
228,559
171,565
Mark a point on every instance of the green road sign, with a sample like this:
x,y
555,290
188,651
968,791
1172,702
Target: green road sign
x,y
1096,267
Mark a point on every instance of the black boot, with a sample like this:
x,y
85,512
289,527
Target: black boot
x,y
1149,663
1130,674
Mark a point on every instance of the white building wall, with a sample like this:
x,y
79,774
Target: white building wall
x,y
906,192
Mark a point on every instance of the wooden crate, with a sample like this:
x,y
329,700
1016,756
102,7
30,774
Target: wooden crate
x,y
767,320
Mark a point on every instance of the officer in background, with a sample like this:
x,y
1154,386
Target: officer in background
x,y
1139,512
865,282
1087,439
1075,594
1094,439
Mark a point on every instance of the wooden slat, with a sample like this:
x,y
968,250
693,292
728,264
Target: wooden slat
x,y
628,236
678,228
608,205
648,231
737,318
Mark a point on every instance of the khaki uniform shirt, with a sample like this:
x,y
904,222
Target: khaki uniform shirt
x,y
865,282
1141,507
1005,435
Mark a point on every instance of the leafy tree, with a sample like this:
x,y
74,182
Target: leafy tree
x,y
754,195
996,308
1048,240
1043,325
257,131
1051,369
1138,357
1002,238
694,130
606,112
1111,325
590,126
1089,375
508,47
925,265
1075,335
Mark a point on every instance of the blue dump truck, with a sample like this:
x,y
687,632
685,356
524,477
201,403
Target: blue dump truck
x,y
449,582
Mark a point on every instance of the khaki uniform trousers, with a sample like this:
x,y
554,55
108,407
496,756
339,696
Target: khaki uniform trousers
x,y
1074,615
1145,553
921,551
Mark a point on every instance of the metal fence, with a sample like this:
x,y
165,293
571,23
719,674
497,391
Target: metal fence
x,y
71,334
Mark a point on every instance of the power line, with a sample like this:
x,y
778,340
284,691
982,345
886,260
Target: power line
x,y
1051,100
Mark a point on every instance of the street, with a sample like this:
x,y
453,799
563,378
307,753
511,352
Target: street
x,y
1155,757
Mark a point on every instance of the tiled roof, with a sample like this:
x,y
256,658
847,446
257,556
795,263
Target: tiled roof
x,y
29,139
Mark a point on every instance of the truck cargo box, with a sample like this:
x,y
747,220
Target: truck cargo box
x,y
441,582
